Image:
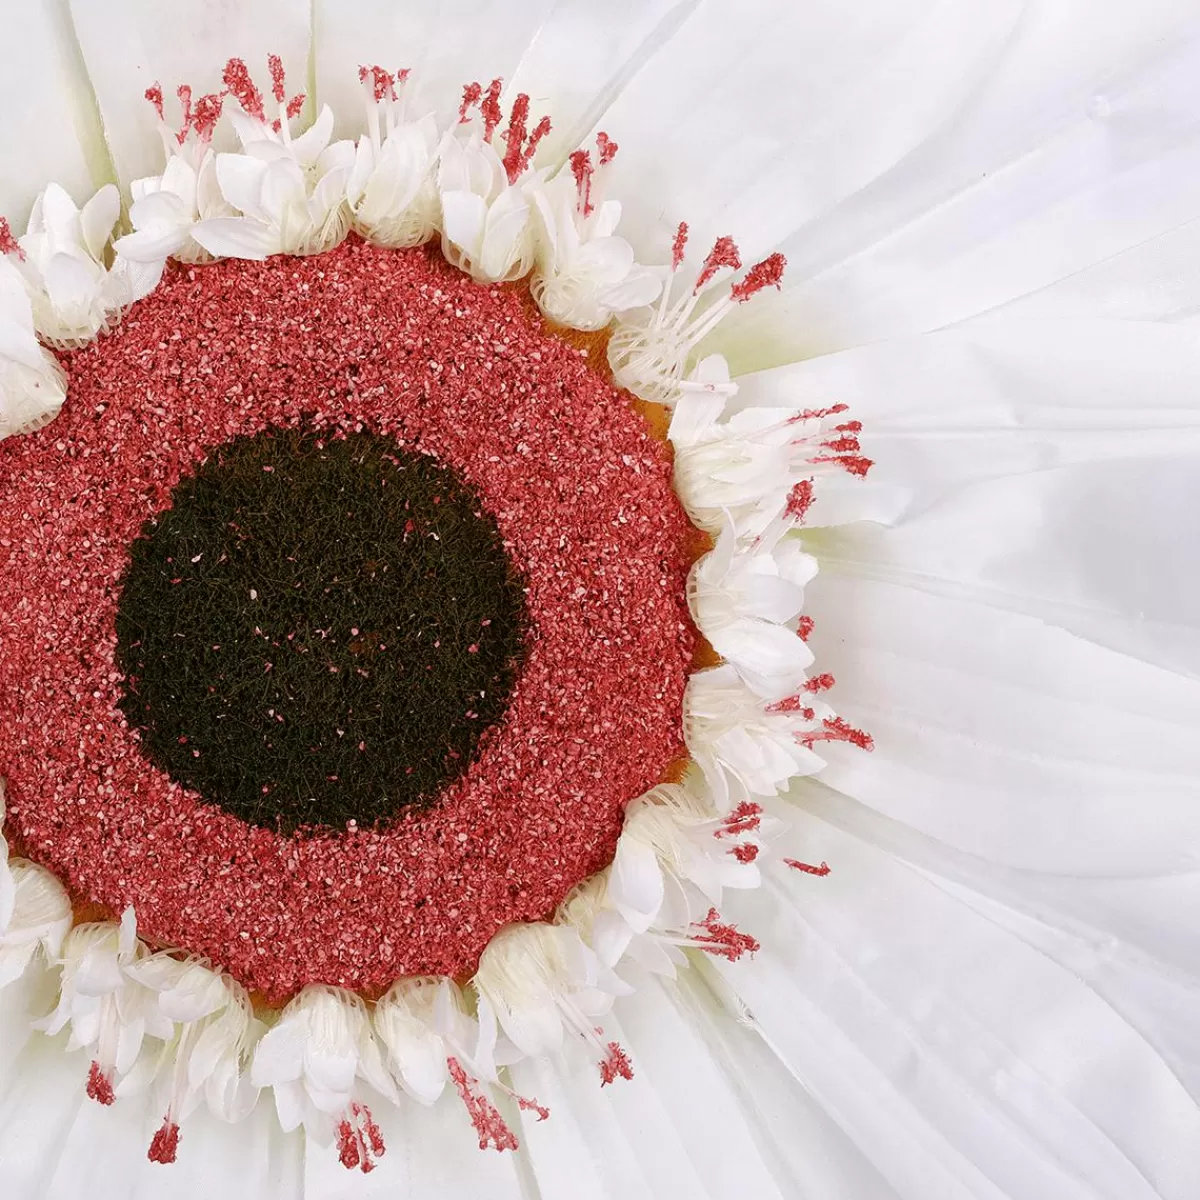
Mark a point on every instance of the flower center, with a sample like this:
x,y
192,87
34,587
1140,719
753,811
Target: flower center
x,y
318,630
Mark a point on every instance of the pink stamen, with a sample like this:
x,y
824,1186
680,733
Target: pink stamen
x,y
164,1147
490,109
768,273
236,78
804,628
723,254
792,704
817,414
855,464
8,243
275,66
582,169
606,147
800,500
206,115
295,104
849,426
154,94
518,155
745,818
808,868
616,1065
486,1118
724,940
99,1085
745,853
184,92
360,1140
471,94
846,444
819,683
835,729
383,83
679,245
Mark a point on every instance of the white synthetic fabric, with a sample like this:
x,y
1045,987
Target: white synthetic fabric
x,y
129,44
446,45
47,131
992,220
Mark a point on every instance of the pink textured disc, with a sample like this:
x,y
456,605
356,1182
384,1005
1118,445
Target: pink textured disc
x,y
399,343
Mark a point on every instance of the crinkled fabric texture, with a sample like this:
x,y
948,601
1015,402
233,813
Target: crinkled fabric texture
x,y
993,225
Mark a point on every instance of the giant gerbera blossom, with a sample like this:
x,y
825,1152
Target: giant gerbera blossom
x,y
606,584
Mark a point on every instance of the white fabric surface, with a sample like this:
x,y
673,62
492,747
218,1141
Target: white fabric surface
x,y
991,216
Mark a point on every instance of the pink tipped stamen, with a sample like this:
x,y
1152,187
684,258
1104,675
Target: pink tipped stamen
x,y
99,1085
606,148
846,444
819,683
184,92
8,243
818,414
800,500
295,104
747,852
744,819
793,704
582,170
679,246
517,154
724,254
722,939
616,1065
804,628
236,78
486,1118
490,109
154,94
278,79
765,274
206,115
470,98
808,868
360,1140
164,1148
856,464
383,83
835,729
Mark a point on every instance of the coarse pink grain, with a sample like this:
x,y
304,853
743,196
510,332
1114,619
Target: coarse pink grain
x,y
400,343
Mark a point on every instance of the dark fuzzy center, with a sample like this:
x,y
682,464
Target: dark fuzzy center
x,y
318,630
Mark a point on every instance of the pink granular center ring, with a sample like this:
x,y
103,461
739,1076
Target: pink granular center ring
x,y
581,492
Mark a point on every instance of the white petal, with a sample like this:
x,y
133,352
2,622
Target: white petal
x,y
129,44
1032,523
903,1008
47,133
447,45
463,218
236,237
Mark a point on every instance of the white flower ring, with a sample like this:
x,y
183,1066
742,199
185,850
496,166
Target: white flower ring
x,y
169,1023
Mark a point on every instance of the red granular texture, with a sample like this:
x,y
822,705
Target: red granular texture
x,y
99,1086
401,343
164,1148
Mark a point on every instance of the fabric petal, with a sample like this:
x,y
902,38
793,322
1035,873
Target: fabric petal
x,y
446,46
782,128
1077,145
48,132
129,44
997,1072
1047,468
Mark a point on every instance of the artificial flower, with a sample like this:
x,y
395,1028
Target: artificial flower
x,y
916,920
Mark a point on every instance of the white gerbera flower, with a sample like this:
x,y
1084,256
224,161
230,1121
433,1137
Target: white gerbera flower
x,y
976,972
